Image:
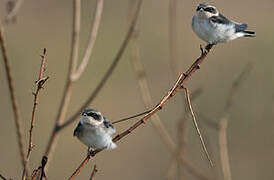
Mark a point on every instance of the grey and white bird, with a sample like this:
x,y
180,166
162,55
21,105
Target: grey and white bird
x,y
94,130
212,27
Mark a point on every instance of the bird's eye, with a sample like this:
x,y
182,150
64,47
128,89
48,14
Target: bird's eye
x,y
198,8
210,9
94,115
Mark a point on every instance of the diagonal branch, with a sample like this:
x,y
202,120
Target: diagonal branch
x,y
17,119
93,34
178,85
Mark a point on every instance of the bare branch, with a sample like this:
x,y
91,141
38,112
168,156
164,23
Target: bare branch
x,y
224,149
2,177
93,34
196,125
72,66
109,71
134,116
145,93
94,171
40,83
14,10
17,119
178,85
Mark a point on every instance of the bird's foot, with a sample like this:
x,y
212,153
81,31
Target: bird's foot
x,y
208,47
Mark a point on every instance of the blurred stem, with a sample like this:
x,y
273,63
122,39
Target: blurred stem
x,y
72,66
15,108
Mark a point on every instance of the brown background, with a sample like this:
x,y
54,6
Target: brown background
x,y
142,155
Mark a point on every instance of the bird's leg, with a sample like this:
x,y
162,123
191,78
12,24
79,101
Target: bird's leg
x,y
89,150
208,47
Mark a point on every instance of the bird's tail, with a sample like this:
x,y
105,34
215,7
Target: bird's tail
x,y
111,145
249,34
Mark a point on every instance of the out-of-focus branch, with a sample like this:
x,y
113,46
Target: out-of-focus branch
x,y
145,93
68,86
17,119
222,125
94,171
224,121
172,29
93,34
196,125
178,85
109,71
2,177
223,149
14,9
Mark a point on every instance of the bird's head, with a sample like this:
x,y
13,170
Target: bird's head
x,y
205,11
91,117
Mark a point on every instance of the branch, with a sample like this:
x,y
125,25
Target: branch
x,y
134,116
109,71
93,34
146,96
94,171
17,119
13,10
196,125
68,86
2,177
40,84
224,149
178,85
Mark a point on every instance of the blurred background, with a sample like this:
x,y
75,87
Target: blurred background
x,y
142,154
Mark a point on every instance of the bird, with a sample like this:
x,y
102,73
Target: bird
x,y
94,130
213,27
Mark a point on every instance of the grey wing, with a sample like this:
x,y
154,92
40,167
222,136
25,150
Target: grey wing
x,y
109,126
220,19
240,27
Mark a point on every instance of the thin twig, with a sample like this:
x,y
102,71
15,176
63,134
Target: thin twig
x,y
196,125
178,85
224,149
14,10
68,86
17,119
109,71
131,117
93,34
94,171
40,84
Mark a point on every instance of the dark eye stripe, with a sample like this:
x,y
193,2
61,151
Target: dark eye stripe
x,y
94,115
210,9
